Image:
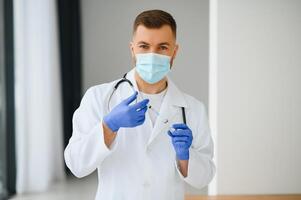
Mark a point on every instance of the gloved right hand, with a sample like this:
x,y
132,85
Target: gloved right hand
x,y
125,115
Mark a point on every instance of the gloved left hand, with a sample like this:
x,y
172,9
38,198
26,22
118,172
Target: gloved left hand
x,y
181,139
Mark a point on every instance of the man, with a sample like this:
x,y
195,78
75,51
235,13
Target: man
x,y
139,141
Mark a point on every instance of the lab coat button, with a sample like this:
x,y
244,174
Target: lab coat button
x,y
146,184
148,149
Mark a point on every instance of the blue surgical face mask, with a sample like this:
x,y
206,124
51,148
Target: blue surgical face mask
x,y
152,67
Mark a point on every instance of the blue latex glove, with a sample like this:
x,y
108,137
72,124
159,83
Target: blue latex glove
x,y
125,115
181,139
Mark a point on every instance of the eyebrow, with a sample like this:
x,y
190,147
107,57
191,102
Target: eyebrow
x,y
162,43
141,42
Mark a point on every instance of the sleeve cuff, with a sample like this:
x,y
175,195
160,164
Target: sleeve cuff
x,y
105,148
199,174
178,170
192,168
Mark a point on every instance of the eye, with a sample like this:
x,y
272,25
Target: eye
x,y
163,48
143,46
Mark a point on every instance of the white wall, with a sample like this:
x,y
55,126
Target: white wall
x,y
107,29
258,88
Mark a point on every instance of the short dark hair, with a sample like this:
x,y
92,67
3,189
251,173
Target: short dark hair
x,y
155,19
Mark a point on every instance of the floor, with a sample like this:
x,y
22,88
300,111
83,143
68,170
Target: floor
x,y
75,189
85,188
249,197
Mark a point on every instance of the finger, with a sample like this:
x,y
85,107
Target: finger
x,y
180,139
142,111
181,133
131,98
140,104
181,144
140,117
170,134
180,126
141,121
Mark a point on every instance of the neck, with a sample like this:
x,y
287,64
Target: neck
x,y
147,88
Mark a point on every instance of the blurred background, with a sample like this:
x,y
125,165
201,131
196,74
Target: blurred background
x,y
242,58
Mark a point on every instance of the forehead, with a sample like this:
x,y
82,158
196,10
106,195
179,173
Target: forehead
x,y
154,35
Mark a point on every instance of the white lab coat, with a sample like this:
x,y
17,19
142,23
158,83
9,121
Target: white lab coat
x,y
141,162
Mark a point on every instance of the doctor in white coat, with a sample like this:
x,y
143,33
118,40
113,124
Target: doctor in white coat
x,y
136,136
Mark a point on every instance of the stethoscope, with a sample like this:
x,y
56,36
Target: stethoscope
x,y
125,80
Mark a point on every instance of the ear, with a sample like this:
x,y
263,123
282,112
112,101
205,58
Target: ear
x,y
131,46
174,54
176,51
